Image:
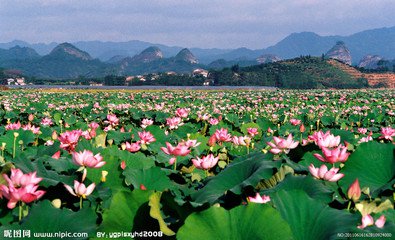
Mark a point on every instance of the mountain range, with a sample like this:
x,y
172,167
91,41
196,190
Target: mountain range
x,y
95,58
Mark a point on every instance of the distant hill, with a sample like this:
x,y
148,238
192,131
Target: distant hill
x,y
370,42
298,73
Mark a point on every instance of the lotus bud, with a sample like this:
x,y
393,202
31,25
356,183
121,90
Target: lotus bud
x,y
110,142
31,117
54,135
144,147
123,165
103,176
380,221
123,146
57,203
3,145
354,191
302,128
142,187
8,121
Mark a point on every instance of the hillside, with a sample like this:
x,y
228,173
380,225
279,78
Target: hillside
x,y
302,72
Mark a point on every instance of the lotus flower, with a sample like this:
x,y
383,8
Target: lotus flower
x,y
146,122
205,162
380,221
367,220
332,156
222,135
21,187
93,125
87,159
173,123
182,112
323,173
191,143
282,145
13,126
387,133
241,141
179,150
80,190
295,122
213,121
69,139
259,199
327,139
112,120
252,131
354,191
146,137
133,147
46,121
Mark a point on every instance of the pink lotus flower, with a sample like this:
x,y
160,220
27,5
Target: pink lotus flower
x,y
112,120
205,162
282,145
362,130
46,121
380,221
323,173
241,141
146,137
295,122
182,112
173,123
332,156
13,126
367,220
222,135
93,125
87,159
259,199
18,179
387,133
35,130
327,139
80,190
191,143
146,122
213,121
179,150
69,139
21,187
354,191
252,131
133,147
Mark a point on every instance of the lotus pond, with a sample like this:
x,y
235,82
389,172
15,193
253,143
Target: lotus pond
x,y
198,164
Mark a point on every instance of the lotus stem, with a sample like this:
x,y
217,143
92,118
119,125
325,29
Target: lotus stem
x,y
175,164
206,172
14,147
20,211
80,202
349,205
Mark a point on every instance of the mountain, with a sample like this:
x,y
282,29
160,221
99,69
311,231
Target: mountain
x,y
268,58
68,51
370,62
148,55
379,41
339,52
186,56
18,53
151,60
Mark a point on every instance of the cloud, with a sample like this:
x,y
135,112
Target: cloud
x,y
190,23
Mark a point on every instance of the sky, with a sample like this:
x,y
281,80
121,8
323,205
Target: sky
x,y
253,24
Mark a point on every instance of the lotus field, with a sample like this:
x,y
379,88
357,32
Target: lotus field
x,y
198,164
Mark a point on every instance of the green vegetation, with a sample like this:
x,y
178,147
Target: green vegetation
x,y
304,72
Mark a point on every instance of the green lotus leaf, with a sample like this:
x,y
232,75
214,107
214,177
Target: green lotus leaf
x,y
254,221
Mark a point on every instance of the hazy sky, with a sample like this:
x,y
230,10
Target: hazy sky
x,y
187,23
